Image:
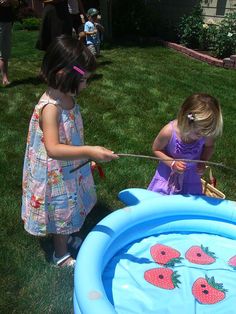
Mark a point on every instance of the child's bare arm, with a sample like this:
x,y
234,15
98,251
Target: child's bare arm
x,y
91,33
207,152
208,149
99,27
56,150
159,145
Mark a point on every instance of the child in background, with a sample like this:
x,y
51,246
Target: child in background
x,y
191,136
56,201
92,30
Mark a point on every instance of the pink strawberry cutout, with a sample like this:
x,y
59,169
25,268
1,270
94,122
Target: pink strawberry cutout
x,y
207,291
232,262
165,255
200,255
164,278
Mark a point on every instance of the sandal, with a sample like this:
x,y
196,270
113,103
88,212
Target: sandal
x,y
61,261
74,242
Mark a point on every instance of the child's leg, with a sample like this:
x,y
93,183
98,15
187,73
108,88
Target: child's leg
x,y
97,48
92,49
61,250
5,49
60,244
4,71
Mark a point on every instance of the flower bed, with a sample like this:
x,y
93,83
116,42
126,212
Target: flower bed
x,y
205,57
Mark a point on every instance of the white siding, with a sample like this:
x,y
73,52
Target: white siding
x,y
216,9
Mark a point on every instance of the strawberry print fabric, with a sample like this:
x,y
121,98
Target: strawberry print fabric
x,y
172,274
55,200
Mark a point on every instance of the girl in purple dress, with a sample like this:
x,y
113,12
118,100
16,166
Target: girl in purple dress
x,y
190,136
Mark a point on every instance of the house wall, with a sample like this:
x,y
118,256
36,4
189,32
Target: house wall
x,y
216,9
169,10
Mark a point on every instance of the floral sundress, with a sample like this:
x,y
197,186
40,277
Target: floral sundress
x,y
55,200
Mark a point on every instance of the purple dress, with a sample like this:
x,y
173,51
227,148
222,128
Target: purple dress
x,y
165,181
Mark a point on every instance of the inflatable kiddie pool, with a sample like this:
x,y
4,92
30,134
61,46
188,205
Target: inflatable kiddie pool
x,y
173,254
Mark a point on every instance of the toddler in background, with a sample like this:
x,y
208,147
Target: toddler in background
x,y
191,136
93,30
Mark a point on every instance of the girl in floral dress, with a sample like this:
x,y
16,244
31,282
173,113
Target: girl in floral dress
x,y
191,136
55,200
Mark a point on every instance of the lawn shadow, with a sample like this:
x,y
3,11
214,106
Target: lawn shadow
x,y
134,41
46,245
99,211
34,80
103,63
94,77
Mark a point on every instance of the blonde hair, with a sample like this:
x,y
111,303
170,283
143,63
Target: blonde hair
x,y
201,113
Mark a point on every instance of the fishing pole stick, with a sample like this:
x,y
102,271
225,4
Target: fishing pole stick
x,y
177,159
161,159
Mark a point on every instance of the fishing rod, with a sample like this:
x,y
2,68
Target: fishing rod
x,y
162,159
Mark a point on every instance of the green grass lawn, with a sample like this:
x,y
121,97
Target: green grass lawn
x,y
137,91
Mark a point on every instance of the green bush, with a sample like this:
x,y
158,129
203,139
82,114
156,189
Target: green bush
x,y
190,28
17,26
23,11
207,36
225,38
31,23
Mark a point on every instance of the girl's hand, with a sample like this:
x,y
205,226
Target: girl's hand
x,y
99,153
201,167
178,166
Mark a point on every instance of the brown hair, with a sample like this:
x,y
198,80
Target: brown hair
x,y
58,64
200,112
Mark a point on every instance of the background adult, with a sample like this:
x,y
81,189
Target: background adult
x,y
77,14
91,4
6,21
56,21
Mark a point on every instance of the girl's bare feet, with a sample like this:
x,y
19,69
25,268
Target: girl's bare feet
x,y
5,82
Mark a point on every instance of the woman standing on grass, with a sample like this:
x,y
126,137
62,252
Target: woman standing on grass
x,y
55,200
191,136
56,21
6,21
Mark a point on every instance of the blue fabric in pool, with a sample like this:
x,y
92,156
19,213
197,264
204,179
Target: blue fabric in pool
x,y
174,273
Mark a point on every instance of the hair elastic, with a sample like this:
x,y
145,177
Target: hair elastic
x,y
172,164
78,70
191,116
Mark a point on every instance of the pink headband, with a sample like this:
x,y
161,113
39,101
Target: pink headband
x,y
78,70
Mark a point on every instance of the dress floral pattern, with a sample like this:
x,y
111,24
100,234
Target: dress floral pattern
x,y
55,200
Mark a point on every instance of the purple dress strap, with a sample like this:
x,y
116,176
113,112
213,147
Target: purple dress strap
x,y
168,182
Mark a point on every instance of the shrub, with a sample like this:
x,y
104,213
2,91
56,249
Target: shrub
x,y
207,36
190,28
25,12
17,26
225,38
31,23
